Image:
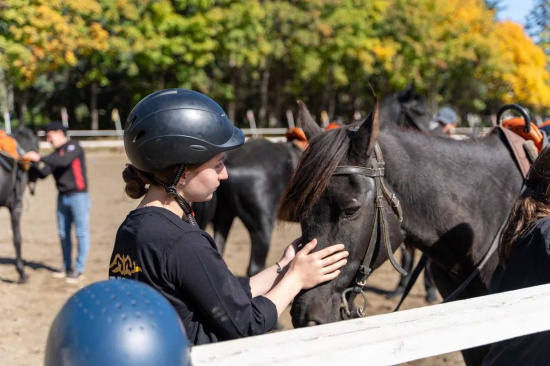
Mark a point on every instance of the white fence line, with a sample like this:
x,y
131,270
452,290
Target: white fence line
x,y
392,338
247,131
104,144
271,134
110,133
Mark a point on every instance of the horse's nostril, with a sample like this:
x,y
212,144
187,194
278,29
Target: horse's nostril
x,y
312,323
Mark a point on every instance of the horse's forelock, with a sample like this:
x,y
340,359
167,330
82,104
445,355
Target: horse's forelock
x,y
313,173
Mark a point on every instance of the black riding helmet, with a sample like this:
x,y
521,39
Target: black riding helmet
x,y
177,126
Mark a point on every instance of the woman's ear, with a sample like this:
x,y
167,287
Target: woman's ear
x,y
182,180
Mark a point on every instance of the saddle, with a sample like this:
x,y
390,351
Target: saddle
x,y
517,125
524,151
298,137
9,153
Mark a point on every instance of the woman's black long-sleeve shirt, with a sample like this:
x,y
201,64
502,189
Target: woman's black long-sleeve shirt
x,y
528,265
155,246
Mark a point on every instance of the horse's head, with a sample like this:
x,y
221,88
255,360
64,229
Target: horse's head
x,y
407,109
26,138
337,195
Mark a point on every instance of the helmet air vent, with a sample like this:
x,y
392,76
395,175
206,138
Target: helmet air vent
x,y
139,135
198,147
132,121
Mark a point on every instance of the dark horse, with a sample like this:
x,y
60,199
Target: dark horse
x,y
406,109
259,173
12,187
351,185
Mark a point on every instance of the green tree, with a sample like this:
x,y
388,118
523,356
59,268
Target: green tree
x,y
538,23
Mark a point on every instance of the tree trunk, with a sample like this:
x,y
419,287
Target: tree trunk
x,y
232,106
23,107
264,95
93,106
433,92
231,111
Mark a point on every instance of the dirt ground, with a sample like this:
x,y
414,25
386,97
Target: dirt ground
x,y
27,311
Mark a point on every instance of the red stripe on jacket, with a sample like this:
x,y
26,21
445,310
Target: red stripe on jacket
x,y
78,176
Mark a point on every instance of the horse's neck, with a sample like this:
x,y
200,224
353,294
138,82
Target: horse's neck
x,y
443,183
425,162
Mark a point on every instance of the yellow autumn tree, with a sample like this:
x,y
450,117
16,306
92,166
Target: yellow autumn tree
x,y
525,79
43,36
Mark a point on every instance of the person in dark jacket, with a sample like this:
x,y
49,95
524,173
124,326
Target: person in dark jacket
x,y
68,165
524,255
176,141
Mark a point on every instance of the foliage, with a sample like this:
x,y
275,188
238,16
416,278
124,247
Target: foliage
x,y
263,55
538,23
44,37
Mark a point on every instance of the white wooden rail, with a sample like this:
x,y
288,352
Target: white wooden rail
x,y
106,133
392,338
272,134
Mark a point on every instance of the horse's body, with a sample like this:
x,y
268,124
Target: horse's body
x,y
260,171
12,188
454,195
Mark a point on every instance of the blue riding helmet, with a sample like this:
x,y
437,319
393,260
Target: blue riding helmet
x,y
117,322
446,115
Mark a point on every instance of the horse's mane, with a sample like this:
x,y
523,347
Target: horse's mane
x,y
313,173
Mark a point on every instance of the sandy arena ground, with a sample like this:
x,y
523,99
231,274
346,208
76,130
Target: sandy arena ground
x,y
27,311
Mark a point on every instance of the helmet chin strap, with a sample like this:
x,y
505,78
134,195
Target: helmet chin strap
x,y
171,191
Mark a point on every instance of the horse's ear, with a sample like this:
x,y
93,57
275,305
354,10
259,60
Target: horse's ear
x,y
311,128
407,93
367,135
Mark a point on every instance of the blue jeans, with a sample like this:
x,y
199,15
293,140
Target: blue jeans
x,y
74,207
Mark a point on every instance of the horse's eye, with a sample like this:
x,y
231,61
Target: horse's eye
x,y
349,212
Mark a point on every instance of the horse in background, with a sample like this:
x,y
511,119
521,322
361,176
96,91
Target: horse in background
x,y
407,109
373,189
13,180
259,173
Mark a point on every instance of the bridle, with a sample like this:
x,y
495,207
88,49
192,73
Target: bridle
x,y
375,171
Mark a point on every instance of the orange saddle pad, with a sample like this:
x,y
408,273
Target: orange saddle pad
x,y
8,144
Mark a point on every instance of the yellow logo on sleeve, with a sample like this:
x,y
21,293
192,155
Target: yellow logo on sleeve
x,y
124,265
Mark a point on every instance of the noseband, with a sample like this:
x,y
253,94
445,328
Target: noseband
x,y
375,171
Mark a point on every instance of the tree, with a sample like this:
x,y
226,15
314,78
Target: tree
x,y
538,23
43,38
526,78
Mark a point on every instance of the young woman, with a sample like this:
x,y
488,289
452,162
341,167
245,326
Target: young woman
x,y
176,141
524,254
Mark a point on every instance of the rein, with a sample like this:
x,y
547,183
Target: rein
x,y
375,171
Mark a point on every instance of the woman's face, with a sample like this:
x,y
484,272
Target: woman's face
x,y
201,183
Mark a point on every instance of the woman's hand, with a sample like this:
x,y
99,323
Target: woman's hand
x,y
311,269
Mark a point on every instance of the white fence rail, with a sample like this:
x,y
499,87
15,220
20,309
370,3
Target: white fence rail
x,y
108,133
104,138
392,338
272,134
